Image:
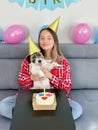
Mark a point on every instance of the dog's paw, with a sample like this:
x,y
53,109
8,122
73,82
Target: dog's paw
x,y
56,65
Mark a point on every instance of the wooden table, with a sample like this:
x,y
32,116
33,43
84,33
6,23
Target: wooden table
x,y
25,118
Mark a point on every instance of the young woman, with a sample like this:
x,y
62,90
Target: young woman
x,y
60,78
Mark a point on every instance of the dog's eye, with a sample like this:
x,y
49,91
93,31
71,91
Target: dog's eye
x,y
34,57
38,54
33,61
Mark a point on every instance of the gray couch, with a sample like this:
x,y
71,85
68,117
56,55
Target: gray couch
x,y
83,60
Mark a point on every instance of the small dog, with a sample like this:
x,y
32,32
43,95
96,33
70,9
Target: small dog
x,y
37,60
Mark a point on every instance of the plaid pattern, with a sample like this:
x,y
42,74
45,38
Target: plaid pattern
x,y
24,79
61,78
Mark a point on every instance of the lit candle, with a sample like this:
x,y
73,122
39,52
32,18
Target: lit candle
x,y
44,92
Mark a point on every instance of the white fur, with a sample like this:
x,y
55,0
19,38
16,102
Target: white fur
x,y
35,69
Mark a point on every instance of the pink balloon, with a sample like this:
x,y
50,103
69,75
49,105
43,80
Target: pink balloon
x,y
14,34
81,33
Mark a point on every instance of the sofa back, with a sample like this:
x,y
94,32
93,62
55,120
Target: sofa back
x,y
83,61
11,57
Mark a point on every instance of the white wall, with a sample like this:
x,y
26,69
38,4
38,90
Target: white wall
x,y
83,11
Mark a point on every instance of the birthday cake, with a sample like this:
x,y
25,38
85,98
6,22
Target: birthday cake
x,y
46,99
41,101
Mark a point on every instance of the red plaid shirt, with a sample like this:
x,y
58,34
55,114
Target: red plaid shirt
x,y
61,78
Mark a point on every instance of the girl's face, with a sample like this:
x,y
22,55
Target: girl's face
x,y
46,40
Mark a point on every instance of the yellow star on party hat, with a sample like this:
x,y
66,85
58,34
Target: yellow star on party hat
x,y
54,25
32,47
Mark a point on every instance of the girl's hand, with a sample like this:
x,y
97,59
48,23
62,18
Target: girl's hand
x,y
47,73
36,77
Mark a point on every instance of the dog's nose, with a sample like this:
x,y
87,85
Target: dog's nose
x,y
39,61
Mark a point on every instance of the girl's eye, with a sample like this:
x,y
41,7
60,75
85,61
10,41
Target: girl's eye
x,y
49,38
41,38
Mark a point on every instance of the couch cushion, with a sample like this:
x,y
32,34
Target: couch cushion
x,y
9,69
84,64
13,51
80,51
88,99
6,93
4,122
84,73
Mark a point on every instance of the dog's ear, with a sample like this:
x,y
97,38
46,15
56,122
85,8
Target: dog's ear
x,y
28,58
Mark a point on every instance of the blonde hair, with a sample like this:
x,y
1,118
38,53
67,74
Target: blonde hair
x,y
56,52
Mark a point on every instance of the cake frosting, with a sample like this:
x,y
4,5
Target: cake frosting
x,y
46,99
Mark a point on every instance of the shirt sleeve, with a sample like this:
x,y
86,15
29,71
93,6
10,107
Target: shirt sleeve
x,y
61,78
24,76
